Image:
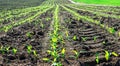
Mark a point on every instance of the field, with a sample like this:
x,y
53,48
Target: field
x,y
13,4
100,2
59,33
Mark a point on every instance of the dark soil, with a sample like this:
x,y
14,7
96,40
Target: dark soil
x,y
17,38
90,40
89,47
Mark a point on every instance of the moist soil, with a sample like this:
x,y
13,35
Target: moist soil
x,y
39,39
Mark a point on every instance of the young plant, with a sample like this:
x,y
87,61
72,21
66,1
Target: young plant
x,y
46,59
74,37
29,34
103,42
6,28
2,50
114,54
119,34
14,50
97,58
54,39
84,38
107,55
35,53
111,30
56,64
95,38
63,52
7,48
29,49
76,54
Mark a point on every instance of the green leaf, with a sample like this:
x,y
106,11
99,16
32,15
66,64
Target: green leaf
x,y
112,30
119,34
54,39
46,59
84,38
35,53
63,51
97,57
95,38
74,38
29,48
14,50
115,54
107,55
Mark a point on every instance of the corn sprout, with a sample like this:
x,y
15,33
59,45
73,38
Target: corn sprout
x,y
74,38
14,50
107,55
29,49
97,57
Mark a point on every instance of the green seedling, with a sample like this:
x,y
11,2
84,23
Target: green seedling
x,y
2,50
55,56
76,54
6,29
75,38
49,51
55,32
46,59
97,58
54,46
35,53
54,39
14,50
95,38
7,48
56,64
107,55
29,34
84,38
102,25
67,35
111,30
114,54
63,52
119,34
29,49
103,42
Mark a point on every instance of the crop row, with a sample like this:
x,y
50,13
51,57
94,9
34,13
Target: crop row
x,y
7,27
87,41
97,13
98,9
25,42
